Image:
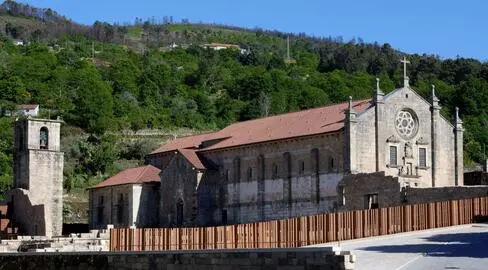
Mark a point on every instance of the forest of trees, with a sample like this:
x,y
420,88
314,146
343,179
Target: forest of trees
x,y
99,79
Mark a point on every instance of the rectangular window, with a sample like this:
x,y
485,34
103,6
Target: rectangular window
x,y
372,201
422,157
393,155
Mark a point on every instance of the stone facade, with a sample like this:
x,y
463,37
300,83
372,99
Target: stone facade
x,y
36,199
124,206
400,129
278,180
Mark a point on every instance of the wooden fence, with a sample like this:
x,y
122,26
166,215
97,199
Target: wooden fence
x,y
306,230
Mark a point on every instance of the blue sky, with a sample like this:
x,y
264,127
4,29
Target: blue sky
x,y
446,28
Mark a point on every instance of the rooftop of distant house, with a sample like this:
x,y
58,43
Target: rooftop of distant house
x,y
28,106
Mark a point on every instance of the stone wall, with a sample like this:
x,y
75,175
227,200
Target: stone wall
x,y
292,259
277,180
159,160
140,206
425,195
354,188
178,193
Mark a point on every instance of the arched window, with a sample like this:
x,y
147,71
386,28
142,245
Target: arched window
x,y
275,171
227,175
237,170
44,138
287,165
331,164
249,174
260,172
315,161
179,213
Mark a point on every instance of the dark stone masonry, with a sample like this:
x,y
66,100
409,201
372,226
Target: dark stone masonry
x,y
290,259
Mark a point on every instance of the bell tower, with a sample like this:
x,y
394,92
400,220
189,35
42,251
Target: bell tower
x,y
36,197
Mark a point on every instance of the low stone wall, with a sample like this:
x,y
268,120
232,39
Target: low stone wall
x,y
291,259
354,188
426,195
94,241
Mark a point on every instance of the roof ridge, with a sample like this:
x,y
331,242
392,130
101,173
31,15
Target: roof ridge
x,y
360,101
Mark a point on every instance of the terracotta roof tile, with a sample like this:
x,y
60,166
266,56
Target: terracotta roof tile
x,y
183,143
297,124
139,175
308,122
192,157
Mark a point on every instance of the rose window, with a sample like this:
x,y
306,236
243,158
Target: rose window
x,y
406,124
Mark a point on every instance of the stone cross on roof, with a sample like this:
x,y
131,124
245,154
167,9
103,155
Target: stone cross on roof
x,y
405,78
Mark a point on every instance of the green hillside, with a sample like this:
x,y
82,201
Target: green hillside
x,y
104,79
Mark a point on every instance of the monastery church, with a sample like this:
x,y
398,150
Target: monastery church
x,y
285,165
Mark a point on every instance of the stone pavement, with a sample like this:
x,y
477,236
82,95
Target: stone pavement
x,y
459,247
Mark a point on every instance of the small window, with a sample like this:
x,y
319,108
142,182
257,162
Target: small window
x,y
331,164
422,157
372,201
393,155
249,174
301,169
227,175
275,171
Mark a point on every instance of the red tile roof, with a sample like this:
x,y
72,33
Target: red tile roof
x,y
192,157
139,175
28,106
297,124
183,143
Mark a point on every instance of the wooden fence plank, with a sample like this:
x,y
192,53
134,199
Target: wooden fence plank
x,y
300,231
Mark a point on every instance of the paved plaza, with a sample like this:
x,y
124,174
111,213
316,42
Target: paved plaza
x,y
460,247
